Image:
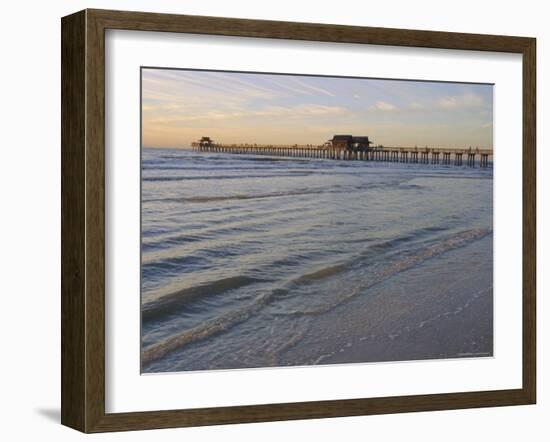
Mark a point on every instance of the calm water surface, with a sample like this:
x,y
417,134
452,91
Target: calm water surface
x,y
251,261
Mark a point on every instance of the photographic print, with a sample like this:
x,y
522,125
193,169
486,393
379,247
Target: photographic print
x,y
298,220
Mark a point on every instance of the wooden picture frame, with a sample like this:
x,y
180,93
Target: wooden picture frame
x,y
83,220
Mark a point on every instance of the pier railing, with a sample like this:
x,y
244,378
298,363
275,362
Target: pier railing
x,y
471,157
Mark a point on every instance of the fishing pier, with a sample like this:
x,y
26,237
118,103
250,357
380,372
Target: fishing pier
x,y
350,148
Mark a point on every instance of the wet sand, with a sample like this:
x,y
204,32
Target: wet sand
x,y
400,320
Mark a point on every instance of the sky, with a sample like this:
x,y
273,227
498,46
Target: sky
x,y
181,106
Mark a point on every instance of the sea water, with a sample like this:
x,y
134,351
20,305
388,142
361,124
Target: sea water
x,y
259,261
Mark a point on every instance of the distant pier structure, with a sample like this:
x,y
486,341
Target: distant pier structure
x,y
358,148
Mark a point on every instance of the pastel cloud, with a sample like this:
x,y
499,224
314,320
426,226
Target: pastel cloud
x,y
467,100
268,111
384,106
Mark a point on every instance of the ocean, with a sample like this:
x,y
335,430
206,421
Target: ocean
x,y
257,261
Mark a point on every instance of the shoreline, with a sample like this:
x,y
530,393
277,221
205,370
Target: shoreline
x,y
401,321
